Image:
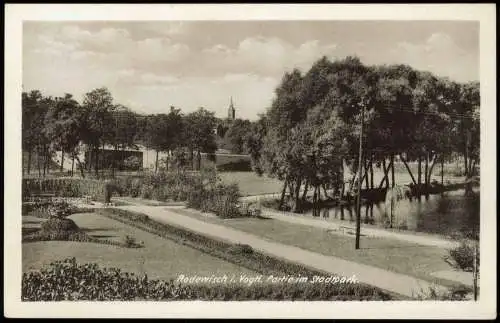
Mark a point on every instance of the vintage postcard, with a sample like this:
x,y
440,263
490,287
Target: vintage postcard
x,y
281,161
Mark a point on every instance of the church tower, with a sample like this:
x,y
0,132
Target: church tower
x,y
231,112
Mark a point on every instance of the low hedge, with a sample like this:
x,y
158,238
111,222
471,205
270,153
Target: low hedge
x,y
69,281
242,255
64,187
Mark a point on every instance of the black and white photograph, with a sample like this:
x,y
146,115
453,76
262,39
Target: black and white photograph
x,y
222,158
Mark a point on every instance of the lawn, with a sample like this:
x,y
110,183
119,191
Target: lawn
x,y
252,184
394,255
160,258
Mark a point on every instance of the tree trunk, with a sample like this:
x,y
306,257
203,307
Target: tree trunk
x,y
80,165
29,161
199,160
429,176
442,170
408,169
426,179
38,162
73,166
473,167
193,166
419,170
367,185
90,162
113,162
62,160
297,207
306,188
325,192
96,161
386,172
392,171
315,198
156,162
371,173
44,165
283,191
466,155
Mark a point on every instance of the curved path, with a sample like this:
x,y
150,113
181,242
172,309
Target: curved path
x,y
392,282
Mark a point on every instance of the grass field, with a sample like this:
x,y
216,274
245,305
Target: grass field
x,y
159,258
252,184
394,255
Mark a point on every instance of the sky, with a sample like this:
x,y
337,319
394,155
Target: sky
x,y
152,65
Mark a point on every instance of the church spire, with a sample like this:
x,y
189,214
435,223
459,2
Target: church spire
x,y
231,113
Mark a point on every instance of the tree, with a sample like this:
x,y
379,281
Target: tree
x,y
32,116
62,125
236,135
198,134
98,126
164,132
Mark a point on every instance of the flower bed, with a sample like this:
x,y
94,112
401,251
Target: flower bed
x,y
68,280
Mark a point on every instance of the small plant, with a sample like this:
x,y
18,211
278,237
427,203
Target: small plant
x,y
129,241
462,257
240,249
456,293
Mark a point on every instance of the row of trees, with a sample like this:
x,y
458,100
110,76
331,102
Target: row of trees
x,y
51,124
313,127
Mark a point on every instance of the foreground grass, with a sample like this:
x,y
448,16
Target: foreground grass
x,y
393,255
160,258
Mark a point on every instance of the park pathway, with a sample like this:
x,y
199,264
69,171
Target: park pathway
x,y
393,282
335,226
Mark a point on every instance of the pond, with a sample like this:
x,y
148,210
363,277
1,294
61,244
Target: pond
x,y
446,214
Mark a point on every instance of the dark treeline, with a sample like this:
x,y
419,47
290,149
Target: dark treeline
x,y
313,126
61,124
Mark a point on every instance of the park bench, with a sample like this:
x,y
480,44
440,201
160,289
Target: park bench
x,y
346,229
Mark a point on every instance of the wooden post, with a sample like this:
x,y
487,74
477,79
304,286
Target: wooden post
x,y
360,167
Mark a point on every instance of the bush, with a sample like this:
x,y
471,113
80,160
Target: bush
x,y
240,249
132,163
67,280
456,293
63,187
59,225
462,257
129,241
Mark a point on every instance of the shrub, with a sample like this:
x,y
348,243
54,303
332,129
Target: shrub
x,y
59,209
462,257
129,241
68,280
240,249
59,225
132,163
64,187
456,293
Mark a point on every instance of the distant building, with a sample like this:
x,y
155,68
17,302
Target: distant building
x,y
224,124
231,112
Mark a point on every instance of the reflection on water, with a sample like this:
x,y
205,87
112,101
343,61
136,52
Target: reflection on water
x,y
446,213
